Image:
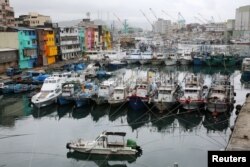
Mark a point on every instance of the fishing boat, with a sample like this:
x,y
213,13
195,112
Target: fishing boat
x,y
84,96
185,58
105,145
133,57
69,90
221,94
214,59
51,89
105,90
193,92
157,59
16,88
245,68
119,96
139,95
167,93
170,59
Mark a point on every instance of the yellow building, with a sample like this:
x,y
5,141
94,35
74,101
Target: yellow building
x,y
47,46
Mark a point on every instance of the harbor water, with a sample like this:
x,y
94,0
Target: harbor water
x,y
31,137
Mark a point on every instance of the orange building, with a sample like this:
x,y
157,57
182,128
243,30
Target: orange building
x,y
47,51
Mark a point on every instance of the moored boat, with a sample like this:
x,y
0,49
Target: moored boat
x,y
221,94
104,145
193,92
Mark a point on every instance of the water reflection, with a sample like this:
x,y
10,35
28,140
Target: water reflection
x,y
63,110
45,111
99,111
117,112
12,108
137,119
162,121
103,160
83,112
218,123
189,120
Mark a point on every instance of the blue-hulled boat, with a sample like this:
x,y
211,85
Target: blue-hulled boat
x,y
116,64
139,96
87,92
16,88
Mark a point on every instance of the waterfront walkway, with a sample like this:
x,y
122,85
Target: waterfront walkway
x,y
240,138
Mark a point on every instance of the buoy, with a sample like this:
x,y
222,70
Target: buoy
x,y
247,95
237,112
232,128
238,107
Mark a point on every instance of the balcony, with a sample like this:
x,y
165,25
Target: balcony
x,y
68,34
71,50
69,42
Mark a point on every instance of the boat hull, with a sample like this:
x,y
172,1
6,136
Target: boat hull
x,y
117,102
217,107
45,103
191,104
185,61
156,62
81,102
137,103
170,62
104,151
63,101
164,106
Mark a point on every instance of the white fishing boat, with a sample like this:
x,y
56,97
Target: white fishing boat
x,y
51,89
106,145
193,92
221,94
167,93
106,89
146,57
119,96
185,58
170,59
157,59
133,57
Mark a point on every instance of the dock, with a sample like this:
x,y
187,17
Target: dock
x,y
240,138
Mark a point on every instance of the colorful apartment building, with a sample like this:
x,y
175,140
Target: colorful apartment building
x,y
81,31
69,43
27,39
47,50
90,38
107,40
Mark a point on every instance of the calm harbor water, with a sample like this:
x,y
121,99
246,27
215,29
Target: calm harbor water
x,y
31,137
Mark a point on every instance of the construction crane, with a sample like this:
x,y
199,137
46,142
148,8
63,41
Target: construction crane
x,y
148,19
181,20
125,25
203,18
199,20
168,15
153,13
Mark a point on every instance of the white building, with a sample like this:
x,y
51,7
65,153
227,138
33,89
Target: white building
x,y
33,19
242,18
70,43
162,26
216,27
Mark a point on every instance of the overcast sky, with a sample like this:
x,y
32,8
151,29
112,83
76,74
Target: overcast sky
x,y
61,10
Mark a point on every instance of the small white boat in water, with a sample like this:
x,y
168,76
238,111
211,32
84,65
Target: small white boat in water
x,y
106,145
51,89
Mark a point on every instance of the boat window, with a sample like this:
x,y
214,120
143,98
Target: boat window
x,y
119,91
